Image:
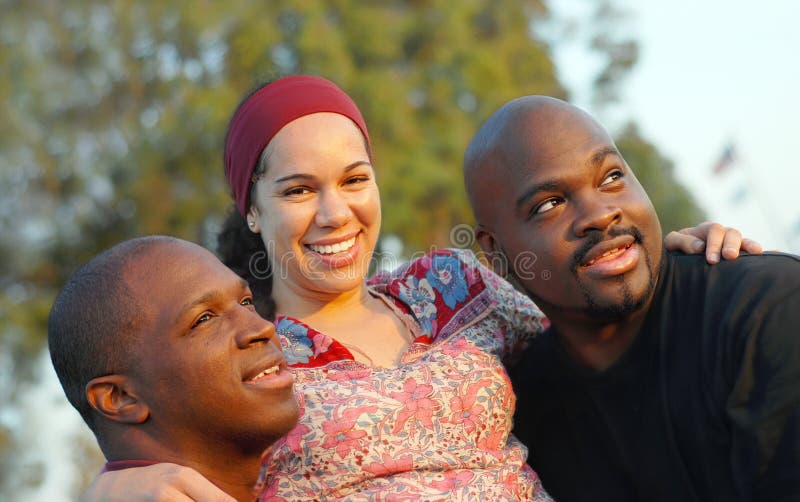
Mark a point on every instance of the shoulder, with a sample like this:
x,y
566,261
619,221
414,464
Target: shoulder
x,y
755,306
768,277
751,303
770,265
460,261
435,289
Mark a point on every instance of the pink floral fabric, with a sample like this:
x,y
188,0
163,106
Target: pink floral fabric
x,y
435,427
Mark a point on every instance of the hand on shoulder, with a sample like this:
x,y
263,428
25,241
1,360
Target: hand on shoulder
x,y
155,483
715,239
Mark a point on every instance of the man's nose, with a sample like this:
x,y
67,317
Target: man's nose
x,y
253,329
596,214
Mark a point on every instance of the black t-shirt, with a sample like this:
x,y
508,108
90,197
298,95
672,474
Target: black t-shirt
x,y
704,405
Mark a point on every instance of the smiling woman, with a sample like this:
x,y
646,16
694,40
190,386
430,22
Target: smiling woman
x,y
388,370
318,206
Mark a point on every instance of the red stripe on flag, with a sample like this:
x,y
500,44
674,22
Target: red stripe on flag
x,y
725,161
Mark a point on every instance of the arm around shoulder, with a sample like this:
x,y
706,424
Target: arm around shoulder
x,y
156,483
522,316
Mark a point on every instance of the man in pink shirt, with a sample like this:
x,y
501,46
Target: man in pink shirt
x,y
158,346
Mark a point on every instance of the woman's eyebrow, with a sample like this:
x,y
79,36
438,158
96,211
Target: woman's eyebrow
x,y
304,176
293,177
356,164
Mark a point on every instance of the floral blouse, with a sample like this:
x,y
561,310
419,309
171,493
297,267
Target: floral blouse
x,y
435,427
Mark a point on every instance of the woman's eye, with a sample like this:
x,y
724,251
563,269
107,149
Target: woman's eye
x,y
612,177
296,191
356,179
547,205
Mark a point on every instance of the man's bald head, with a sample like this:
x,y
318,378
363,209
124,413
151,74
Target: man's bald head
x,y
550,190
95,318
520,132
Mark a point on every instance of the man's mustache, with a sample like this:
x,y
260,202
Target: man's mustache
x,y
596,237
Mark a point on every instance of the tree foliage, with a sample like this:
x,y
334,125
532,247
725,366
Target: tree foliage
x,y
114,115
674,204
117,110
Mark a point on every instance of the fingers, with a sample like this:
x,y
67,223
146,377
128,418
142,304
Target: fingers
x,y
683,242
751,246
717,240
715,235
731,243
195,487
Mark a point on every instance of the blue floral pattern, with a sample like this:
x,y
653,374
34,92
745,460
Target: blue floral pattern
x,y
419,296
447,277
296,345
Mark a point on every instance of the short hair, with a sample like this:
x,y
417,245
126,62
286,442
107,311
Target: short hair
x,y
93,324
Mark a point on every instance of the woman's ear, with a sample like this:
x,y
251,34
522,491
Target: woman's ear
x,y
252,220
492,252
113,397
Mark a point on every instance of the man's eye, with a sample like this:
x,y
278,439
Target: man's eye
x,y
612,177
548,205
202,319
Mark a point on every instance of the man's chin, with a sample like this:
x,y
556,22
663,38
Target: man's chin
x,y
615,311
624,301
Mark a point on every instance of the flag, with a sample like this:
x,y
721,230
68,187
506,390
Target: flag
x,y
725,161
740,195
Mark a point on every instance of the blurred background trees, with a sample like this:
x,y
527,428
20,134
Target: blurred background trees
x,y
114,115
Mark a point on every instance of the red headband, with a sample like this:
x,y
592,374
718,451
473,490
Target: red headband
x,y
266,112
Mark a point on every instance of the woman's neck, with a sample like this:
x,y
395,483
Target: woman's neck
x,y
360,321
310,305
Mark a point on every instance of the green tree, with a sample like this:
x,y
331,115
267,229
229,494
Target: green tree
x,y
675,205
115,114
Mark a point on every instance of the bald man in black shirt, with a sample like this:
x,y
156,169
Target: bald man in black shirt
x,y
661,378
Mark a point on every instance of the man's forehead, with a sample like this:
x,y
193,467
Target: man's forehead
x,y
175,281
524,138
168,268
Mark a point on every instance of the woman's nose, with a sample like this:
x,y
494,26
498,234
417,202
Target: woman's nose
x,y
334,210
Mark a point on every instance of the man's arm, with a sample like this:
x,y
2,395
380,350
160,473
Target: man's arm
x,y
159,482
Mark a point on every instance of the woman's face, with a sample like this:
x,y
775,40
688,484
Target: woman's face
x,y
317,206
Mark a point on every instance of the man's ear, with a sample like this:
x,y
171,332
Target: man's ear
x,y
113,397
492,252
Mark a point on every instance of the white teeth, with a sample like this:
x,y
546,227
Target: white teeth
x,y
268,371
333,248
607,253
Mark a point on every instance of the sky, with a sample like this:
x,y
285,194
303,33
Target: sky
x,y
709,74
